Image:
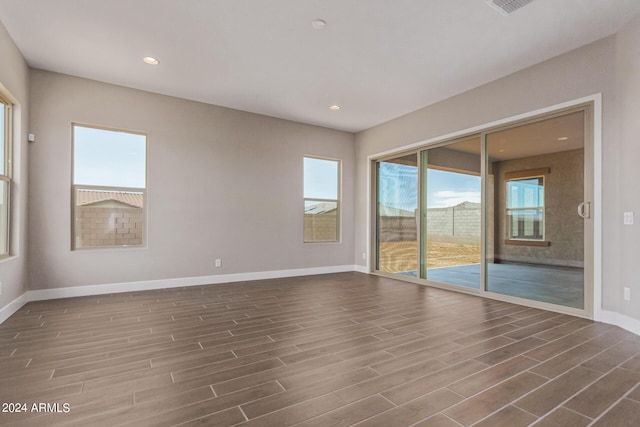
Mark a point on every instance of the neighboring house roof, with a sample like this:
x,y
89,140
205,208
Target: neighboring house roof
x,y
468,205
91,197
389,211
320,208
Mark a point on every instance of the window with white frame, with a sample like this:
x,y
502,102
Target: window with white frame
x,y
321,200
525,207
109,188
5,175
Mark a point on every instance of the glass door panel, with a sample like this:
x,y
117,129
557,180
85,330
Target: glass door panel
x,y
539,237
397,206
451,213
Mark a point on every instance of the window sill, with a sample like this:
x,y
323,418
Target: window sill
x,y
527,242
109,248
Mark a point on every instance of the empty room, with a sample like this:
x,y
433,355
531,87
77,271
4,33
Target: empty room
x,y
319,213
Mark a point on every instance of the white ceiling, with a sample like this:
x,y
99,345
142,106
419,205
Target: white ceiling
x,y
378,59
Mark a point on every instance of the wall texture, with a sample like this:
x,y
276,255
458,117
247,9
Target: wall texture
x,y
222,184
109,226
14,77
398,228
455,224
626,152
320,227
583,72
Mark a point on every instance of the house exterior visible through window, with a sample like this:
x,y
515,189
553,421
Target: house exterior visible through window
x,y
5,176
321,200
109,188
525,206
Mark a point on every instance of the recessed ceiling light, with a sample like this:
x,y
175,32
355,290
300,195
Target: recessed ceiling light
x,y
150,60
319,24
501,151
334,107
563,138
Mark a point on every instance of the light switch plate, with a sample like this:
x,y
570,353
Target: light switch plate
x,y
628,218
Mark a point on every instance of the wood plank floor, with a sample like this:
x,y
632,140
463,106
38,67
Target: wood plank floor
x,y
332,350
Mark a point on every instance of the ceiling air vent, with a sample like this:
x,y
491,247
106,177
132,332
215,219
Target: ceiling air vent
x,y
506,7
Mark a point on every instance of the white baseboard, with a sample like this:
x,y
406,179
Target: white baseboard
x,y
625,322
361,269
12,307
78,291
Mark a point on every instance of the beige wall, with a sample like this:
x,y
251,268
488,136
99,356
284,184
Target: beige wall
x,y
625,254
222,184
563,192
14,76
582,72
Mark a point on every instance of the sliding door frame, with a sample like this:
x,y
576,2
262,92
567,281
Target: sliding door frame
x,y
373,214
592,107
588,177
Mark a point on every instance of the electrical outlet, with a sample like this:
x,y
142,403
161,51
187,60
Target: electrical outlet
x,y
0,288
364,256
218,263
627,294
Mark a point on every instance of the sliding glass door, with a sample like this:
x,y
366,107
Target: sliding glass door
x,y
502,213
539,193
396,222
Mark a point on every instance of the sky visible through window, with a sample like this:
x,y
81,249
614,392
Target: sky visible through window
x,y
320,178
109,158
399,187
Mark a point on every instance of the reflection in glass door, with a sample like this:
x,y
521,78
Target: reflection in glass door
x,y
538,188
451,213
397,205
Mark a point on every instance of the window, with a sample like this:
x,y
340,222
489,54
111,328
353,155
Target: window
x,y
321,200
525,205
109,188
5,175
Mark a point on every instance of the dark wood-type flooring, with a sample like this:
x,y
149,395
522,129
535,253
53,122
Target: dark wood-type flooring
x,y
331,350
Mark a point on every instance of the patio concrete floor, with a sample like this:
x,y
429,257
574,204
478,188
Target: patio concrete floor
x,y
554,285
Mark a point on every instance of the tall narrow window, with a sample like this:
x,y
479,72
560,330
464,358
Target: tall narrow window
x,y
109,188
525,207
321,200
5,175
